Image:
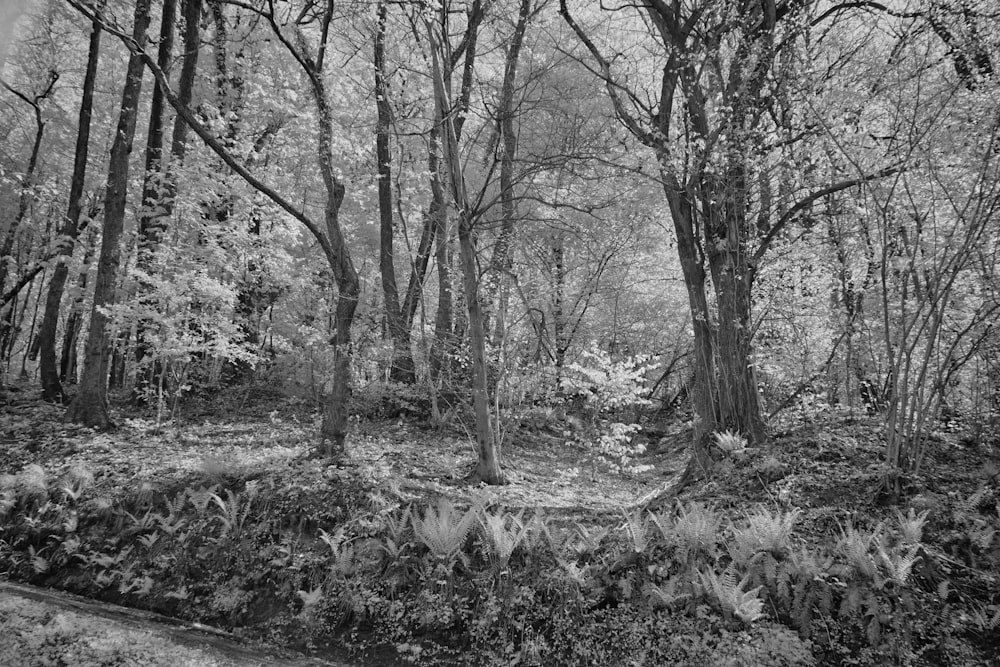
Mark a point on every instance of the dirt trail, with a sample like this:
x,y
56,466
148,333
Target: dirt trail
x,y
44,627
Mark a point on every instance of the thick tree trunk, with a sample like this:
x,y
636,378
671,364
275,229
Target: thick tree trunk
x,y
702,389
90,407
726,231
334,430
51,387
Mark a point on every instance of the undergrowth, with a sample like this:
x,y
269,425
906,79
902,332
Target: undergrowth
x,y
689,585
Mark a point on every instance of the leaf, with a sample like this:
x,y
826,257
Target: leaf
x,y
311,598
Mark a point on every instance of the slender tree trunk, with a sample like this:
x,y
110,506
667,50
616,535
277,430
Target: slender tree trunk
x,y
402,369
415,286
488,464
51,386
500,261
702,390
153,210
90,406
25,197
443,344
74,320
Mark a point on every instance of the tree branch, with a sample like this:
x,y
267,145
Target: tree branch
x,y
202,131
807,201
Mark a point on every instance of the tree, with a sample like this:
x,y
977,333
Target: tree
x,y
51,385
488,464
706,120
402,369
90,406
288,31
25,196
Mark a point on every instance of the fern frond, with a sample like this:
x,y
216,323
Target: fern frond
x,y
856,545
696,529
444,530
590,538
638,531
499,540
898,565
728,591
911,525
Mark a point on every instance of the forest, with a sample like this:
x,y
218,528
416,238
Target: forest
x,y
500,332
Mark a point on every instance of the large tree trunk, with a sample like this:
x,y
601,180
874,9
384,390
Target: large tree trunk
x,y
51,386
726,233
702,389
90,407
402,369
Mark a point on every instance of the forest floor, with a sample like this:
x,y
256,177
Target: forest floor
x,y
828,466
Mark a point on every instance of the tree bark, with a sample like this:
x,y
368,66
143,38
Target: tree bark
x,y
74,321
402,369
52,390
90,407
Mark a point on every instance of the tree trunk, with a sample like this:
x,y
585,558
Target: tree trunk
x,y
90,407
52,390
500,260
74,321
27,189
726,243
702,389
402,369
154,209
488,464
442,347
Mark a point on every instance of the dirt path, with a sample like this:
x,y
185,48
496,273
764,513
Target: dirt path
x,y
45,627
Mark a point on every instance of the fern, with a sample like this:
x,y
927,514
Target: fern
x,y
696,530
444,530
745,605
342,552
911,525
730,442
232,513
499,540
764,532
898,565
856,546
666,595
589,538
638,531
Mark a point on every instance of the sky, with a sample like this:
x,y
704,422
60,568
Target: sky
x,y
10,12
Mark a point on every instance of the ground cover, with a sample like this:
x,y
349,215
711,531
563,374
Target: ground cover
x,y
789,555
